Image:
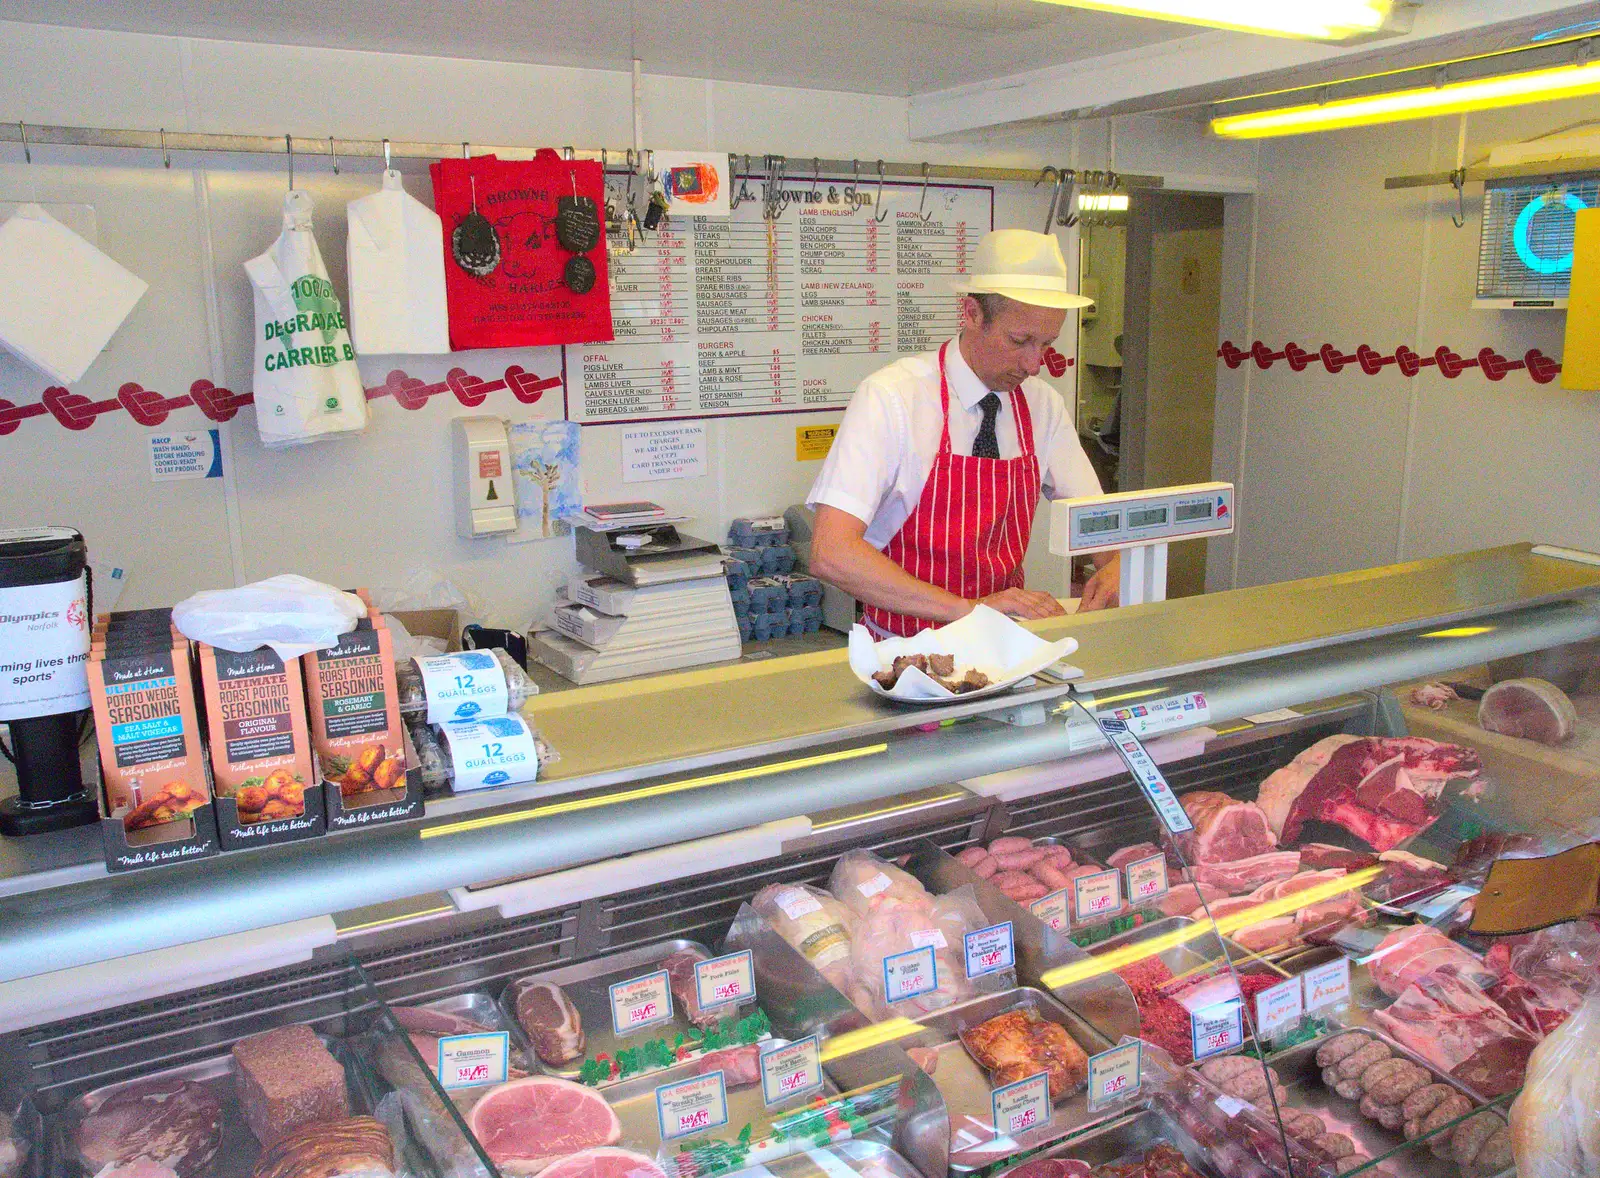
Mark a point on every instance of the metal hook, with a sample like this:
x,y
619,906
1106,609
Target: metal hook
x,y
388,165
1458,181
855,179
1055,202
1068,216
166,157
334,152
881,213
773,197
650,172
922,216
1045,173
27,153
288,147
816,178
737,196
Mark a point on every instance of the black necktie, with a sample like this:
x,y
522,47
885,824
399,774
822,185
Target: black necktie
x,y
985,445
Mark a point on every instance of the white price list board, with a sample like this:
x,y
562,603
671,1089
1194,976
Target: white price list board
x,y
718,317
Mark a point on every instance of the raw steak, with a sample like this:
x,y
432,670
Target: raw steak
x,y
1224,829
1185,898
436,1022
551,1021
1050,1168
1225,906
1414,952
1317,856
1266,934
527,1124
1454,1026
739,1065
1246,875
1530,708
138,1168
606,1163
1325,783
680,971
175,1122
1120,859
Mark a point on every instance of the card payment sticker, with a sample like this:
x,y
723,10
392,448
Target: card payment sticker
x,y
1025,1105
641,1002
1217,1028
905,975
990,950
466,1061
1115,1075
795,1069
696,1105
724,981
1143,768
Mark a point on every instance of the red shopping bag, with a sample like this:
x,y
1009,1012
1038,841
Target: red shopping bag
x,y
510,280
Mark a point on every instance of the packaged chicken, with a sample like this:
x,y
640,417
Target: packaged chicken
x,y
863,883
1555,1122
814,923
941,923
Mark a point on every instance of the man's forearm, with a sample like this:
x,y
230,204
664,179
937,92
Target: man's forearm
x,y
867,574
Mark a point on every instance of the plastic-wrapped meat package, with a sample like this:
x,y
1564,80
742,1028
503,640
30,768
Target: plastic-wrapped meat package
x,y
1454,1026
1414,952
863,883
1544,976
897,928
1555,1122
816,924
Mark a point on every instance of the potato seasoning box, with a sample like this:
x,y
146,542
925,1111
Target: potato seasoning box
x,y
260,746
355,714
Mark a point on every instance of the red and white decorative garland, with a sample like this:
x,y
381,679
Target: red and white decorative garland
x,y
150,408
1408,362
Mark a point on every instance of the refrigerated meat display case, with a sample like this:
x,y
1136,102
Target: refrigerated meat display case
x,y
1317,919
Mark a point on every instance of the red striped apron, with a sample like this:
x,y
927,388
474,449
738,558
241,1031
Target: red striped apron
x,y
970,529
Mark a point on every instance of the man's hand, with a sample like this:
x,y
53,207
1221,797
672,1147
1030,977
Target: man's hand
x,y
1104,589
1024,603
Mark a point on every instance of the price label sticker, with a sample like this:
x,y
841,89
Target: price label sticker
x,y
990,950
1115,1075
696,1105
641,1002
1327,985
795,1069
905,975
725,981
1147,879
1143,768
467,1061
1097,895
1279,1008
1052,909
1021,1106
1217,1028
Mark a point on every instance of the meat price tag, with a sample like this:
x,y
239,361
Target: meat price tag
x,y
724,981
905,975
696,1105
1164,715
1096,895
1147,879
1052,909
1144,771
466,1061
641,1002
990,950
1025,1105
1327,985
1115,1075
463,686
1217,1028
795,1069
1279,1008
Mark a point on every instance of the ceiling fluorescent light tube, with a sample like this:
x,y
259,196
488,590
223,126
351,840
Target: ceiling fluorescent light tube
x,y
1319,20
1570,81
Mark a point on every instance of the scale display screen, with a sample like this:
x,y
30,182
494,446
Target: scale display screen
x,y
1189,512
1147,517
1094,525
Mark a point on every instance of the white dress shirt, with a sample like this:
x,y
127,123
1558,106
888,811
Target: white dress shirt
x,y
890,437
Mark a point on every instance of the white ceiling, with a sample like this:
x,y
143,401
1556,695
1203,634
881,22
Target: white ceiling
x,y
897,47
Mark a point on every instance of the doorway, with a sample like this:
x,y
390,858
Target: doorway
x,y
1147,352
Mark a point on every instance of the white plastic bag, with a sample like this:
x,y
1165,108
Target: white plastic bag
x,y
306,381
289,613
396,267
1555,1122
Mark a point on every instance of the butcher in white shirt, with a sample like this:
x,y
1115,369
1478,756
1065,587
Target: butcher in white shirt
x,y
925,503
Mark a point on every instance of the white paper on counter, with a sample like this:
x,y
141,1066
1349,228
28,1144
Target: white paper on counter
x,y
986,640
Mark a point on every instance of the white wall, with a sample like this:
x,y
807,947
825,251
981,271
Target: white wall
x,y
1348,471
365,510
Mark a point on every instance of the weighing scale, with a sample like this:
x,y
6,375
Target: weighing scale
x,y
1140,525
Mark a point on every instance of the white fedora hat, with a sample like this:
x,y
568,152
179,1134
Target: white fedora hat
x,y
1022,265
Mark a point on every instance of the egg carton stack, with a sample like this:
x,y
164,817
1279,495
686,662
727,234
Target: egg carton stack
x,y
769,599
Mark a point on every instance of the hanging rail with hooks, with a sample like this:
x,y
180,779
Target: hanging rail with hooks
x,y
162,143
